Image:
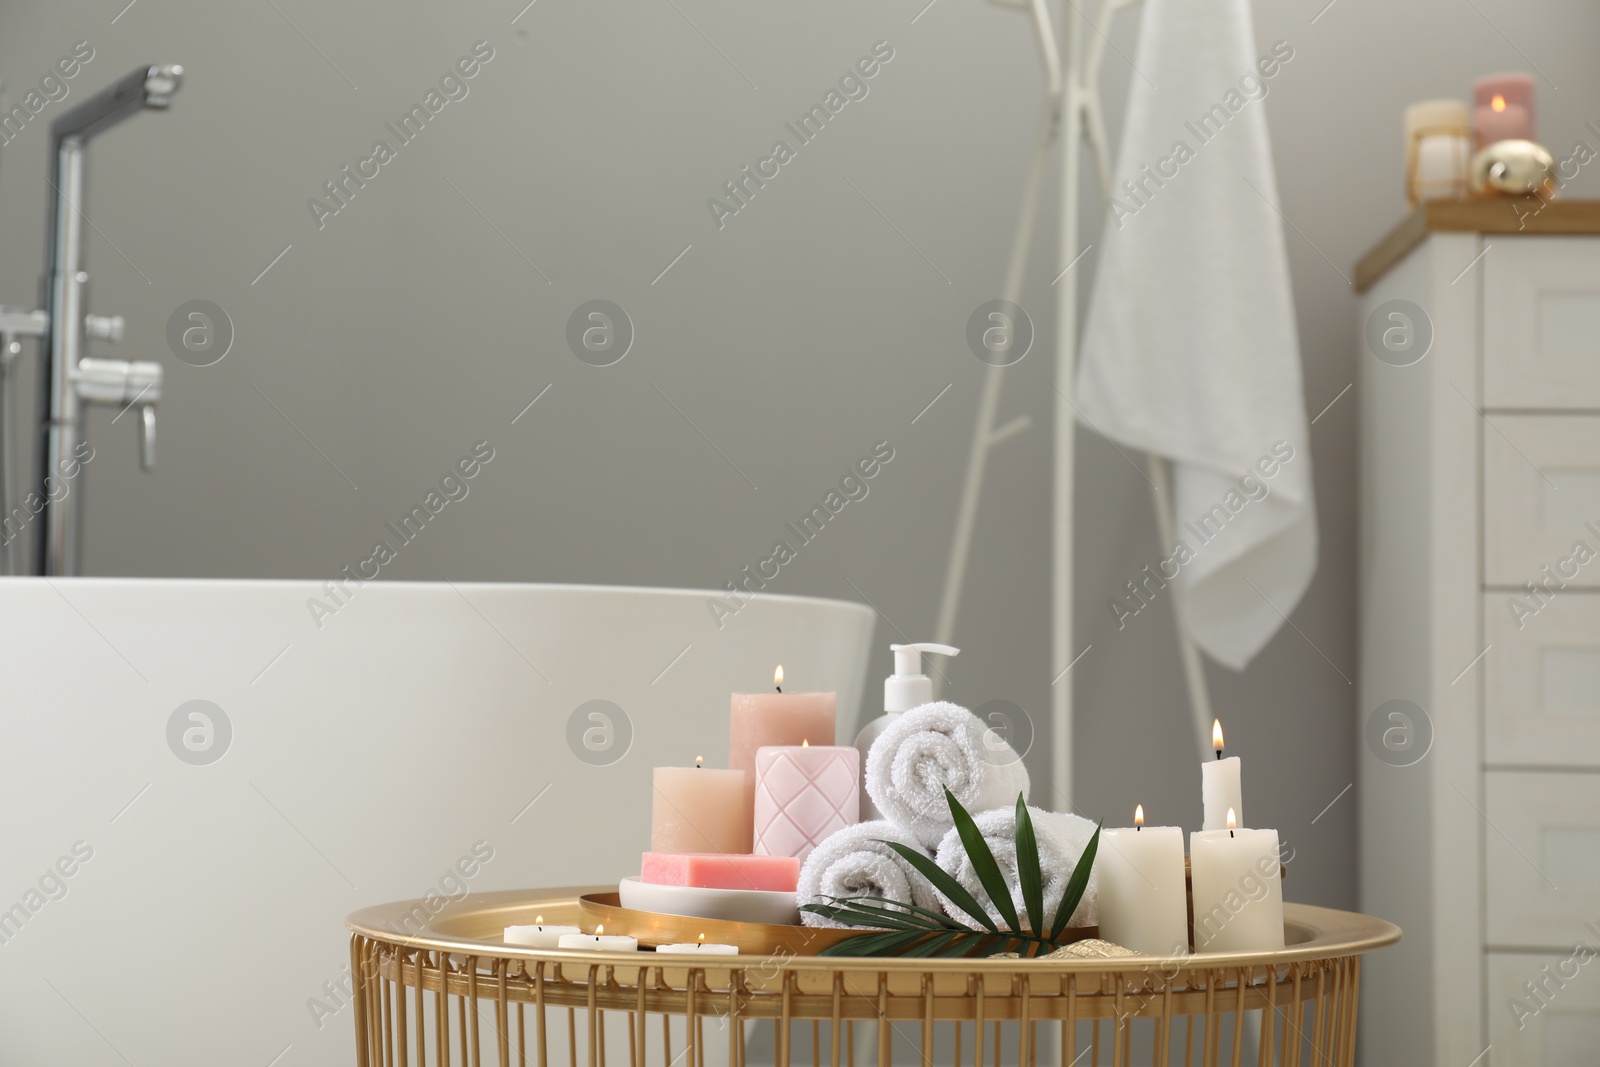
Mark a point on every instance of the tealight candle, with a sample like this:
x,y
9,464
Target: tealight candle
x,y
1219,785
777,718
700,948
696,809
1238,895
538,935
1143,892
599,941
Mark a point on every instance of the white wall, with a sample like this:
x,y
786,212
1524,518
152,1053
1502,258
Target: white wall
x,y
804,331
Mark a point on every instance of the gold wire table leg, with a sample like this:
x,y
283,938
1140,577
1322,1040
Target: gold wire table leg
x,y
1209,1037
1164,1027
441,1010
977,1023
691,1023
927,1018
1241,983
1119,1027
400,1031
816,1043
885,1038
502,1023
1069,1025
591,1018
781,1038
363,1037
472,995
1269,1018
838,1010
420,1005
1024,1027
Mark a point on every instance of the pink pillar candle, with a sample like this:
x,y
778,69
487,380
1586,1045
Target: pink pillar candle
x,y
762,719
697,809
803,795
1503,108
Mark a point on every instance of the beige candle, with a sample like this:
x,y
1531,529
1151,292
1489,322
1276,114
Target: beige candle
x,y
697,809
768,719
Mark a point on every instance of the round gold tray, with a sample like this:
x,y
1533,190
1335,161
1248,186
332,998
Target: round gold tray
x,y
654,928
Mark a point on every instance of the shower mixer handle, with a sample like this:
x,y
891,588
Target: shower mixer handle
x,y
124,383
103,327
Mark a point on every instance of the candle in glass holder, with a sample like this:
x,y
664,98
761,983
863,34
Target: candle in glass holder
x,y
776,718
1503,108
803,794
1438,150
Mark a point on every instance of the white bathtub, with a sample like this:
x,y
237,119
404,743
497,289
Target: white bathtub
x,y
167,909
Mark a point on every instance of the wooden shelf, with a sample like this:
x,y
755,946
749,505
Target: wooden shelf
x,y
1519,215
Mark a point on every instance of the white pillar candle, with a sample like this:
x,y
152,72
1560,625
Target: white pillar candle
x,y
1220,785
1143,895
538,935
1238,897
803,794
599,941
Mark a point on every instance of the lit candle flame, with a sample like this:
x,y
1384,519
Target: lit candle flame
x,y
777,678
1233,819
698,760
1138,815
1498,103
538,920
598,930
804,743
1216,734
702,939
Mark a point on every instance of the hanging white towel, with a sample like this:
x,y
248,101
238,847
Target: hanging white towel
x,y
1190,349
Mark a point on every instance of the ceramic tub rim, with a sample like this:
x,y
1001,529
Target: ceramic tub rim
x,y
437,584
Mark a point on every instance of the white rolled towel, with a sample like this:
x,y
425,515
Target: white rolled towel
x,y
855,862
932,747
1062,839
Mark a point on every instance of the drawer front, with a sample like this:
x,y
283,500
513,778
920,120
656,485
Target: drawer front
x,y
1541,322
1557,1024
1541,857
1541,498
1542,679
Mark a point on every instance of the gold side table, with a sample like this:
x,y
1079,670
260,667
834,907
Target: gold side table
x,y
446,991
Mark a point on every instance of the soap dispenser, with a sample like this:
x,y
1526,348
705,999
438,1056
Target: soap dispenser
x,y
903,690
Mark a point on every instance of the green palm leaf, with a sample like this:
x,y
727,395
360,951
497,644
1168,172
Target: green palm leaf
x,y
945,883
886,944
983,862
881,919
1028,876
1076,885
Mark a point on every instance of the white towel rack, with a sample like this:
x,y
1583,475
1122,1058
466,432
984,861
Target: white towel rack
x,y
1071,112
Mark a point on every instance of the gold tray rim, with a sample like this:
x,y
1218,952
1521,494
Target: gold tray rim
x,y
473,926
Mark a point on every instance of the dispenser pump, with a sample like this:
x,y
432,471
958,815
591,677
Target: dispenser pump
x,y
908,687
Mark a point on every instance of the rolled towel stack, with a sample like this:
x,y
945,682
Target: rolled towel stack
x,y
934,747
1062,839
854,862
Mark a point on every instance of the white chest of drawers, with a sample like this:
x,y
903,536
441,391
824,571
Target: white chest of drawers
x,y
1480,606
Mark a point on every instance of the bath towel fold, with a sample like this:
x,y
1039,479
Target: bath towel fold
x,y
1062,839
854,862
932,747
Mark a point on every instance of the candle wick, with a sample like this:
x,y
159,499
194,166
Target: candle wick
x,y
1219,753
779,688
1230,833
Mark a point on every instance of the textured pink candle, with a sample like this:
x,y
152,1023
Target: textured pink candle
x,y
1503,108
761,719
803,795
777,874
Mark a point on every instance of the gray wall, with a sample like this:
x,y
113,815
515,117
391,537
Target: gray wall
x,y
771,356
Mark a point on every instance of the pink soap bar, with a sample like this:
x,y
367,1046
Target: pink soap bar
x,y
776,874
